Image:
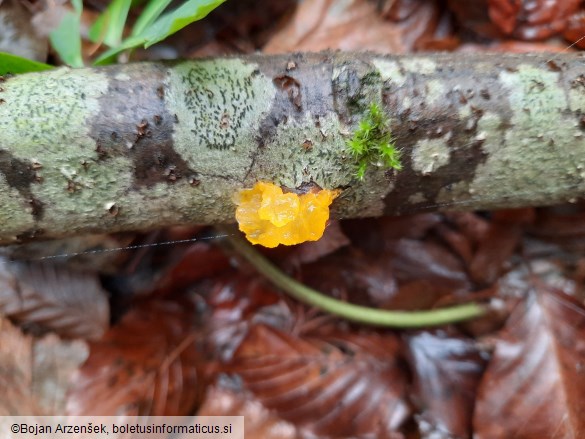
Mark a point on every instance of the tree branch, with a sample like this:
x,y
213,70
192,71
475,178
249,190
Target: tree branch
x,y
148,145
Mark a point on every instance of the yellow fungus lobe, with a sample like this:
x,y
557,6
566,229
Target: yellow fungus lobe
x,y
270,217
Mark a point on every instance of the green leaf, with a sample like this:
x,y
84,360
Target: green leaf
x,y
109,27
168,24
15,64
128,43
174,21
66,39
149,15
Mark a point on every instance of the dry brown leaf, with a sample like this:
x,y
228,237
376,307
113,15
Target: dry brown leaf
x,y
337,385
474,16
35,373
398,10
533,19
498,244
17,36
370,234
333,239
145,365
575,31
534,384
44,297
426,260
260,423
352,275
446,371
351,25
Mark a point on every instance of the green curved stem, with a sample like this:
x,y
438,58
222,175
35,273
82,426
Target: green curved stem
x,y
355,313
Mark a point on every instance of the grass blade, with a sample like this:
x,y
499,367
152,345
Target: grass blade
x,y
149,15
109,27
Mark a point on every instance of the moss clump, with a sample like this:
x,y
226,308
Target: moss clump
x,y
372,143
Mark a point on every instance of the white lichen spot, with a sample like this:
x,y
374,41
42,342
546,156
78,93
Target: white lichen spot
x,y
390,71
337,71
481,136
122,76
435,91
430,154
489,128
422,65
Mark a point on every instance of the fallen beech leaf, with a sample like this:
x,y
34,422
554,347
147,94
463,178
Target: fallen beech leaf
x,y
418,260
17,36
35,373
200,260
458,242
45,297
534,19
446,371
398,10
576,29
335,385
534,384
474,16
351,25
561,226
261,423
498,245
145,365
333,239
370,234
352,275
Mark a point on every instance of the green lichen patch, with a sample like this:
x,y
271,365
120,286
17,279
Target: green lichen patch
x,y
372,143
540,155
218,104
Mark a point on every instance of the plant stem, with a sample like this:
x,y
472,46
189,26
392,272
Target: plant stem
x,y
355,313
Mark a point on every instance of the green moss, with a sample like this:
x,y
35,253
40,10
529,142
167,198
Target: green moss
x,y
372,143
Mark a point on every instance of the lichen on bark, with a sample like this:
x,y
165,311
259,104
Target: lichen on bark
x,y
149,145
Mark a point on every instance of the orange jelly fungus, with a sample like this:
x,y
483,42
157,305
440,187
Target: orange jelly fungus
x,y
270,217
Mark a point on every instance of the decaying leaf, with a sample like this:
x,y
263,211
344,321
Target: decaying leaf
x,y
35,373
44,297
260,423
532,20
334,385
356,25
534,385
446,371
145,365
498,244
17,36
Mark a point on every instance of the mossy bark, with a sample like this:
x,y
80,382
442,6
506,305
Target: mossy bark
x,y
148,145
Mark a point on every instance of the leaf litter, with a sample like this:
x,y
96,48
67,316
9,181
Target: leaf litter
x,y
194,330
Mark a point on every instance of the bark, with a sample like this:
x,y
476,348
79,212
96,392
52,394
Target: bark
x,y
147,145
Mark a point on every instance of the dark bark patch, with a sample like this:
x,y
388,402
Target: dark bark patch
x,y
134,122
30,235
20,175
552,65
305,87
356,86
291,87
416,119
